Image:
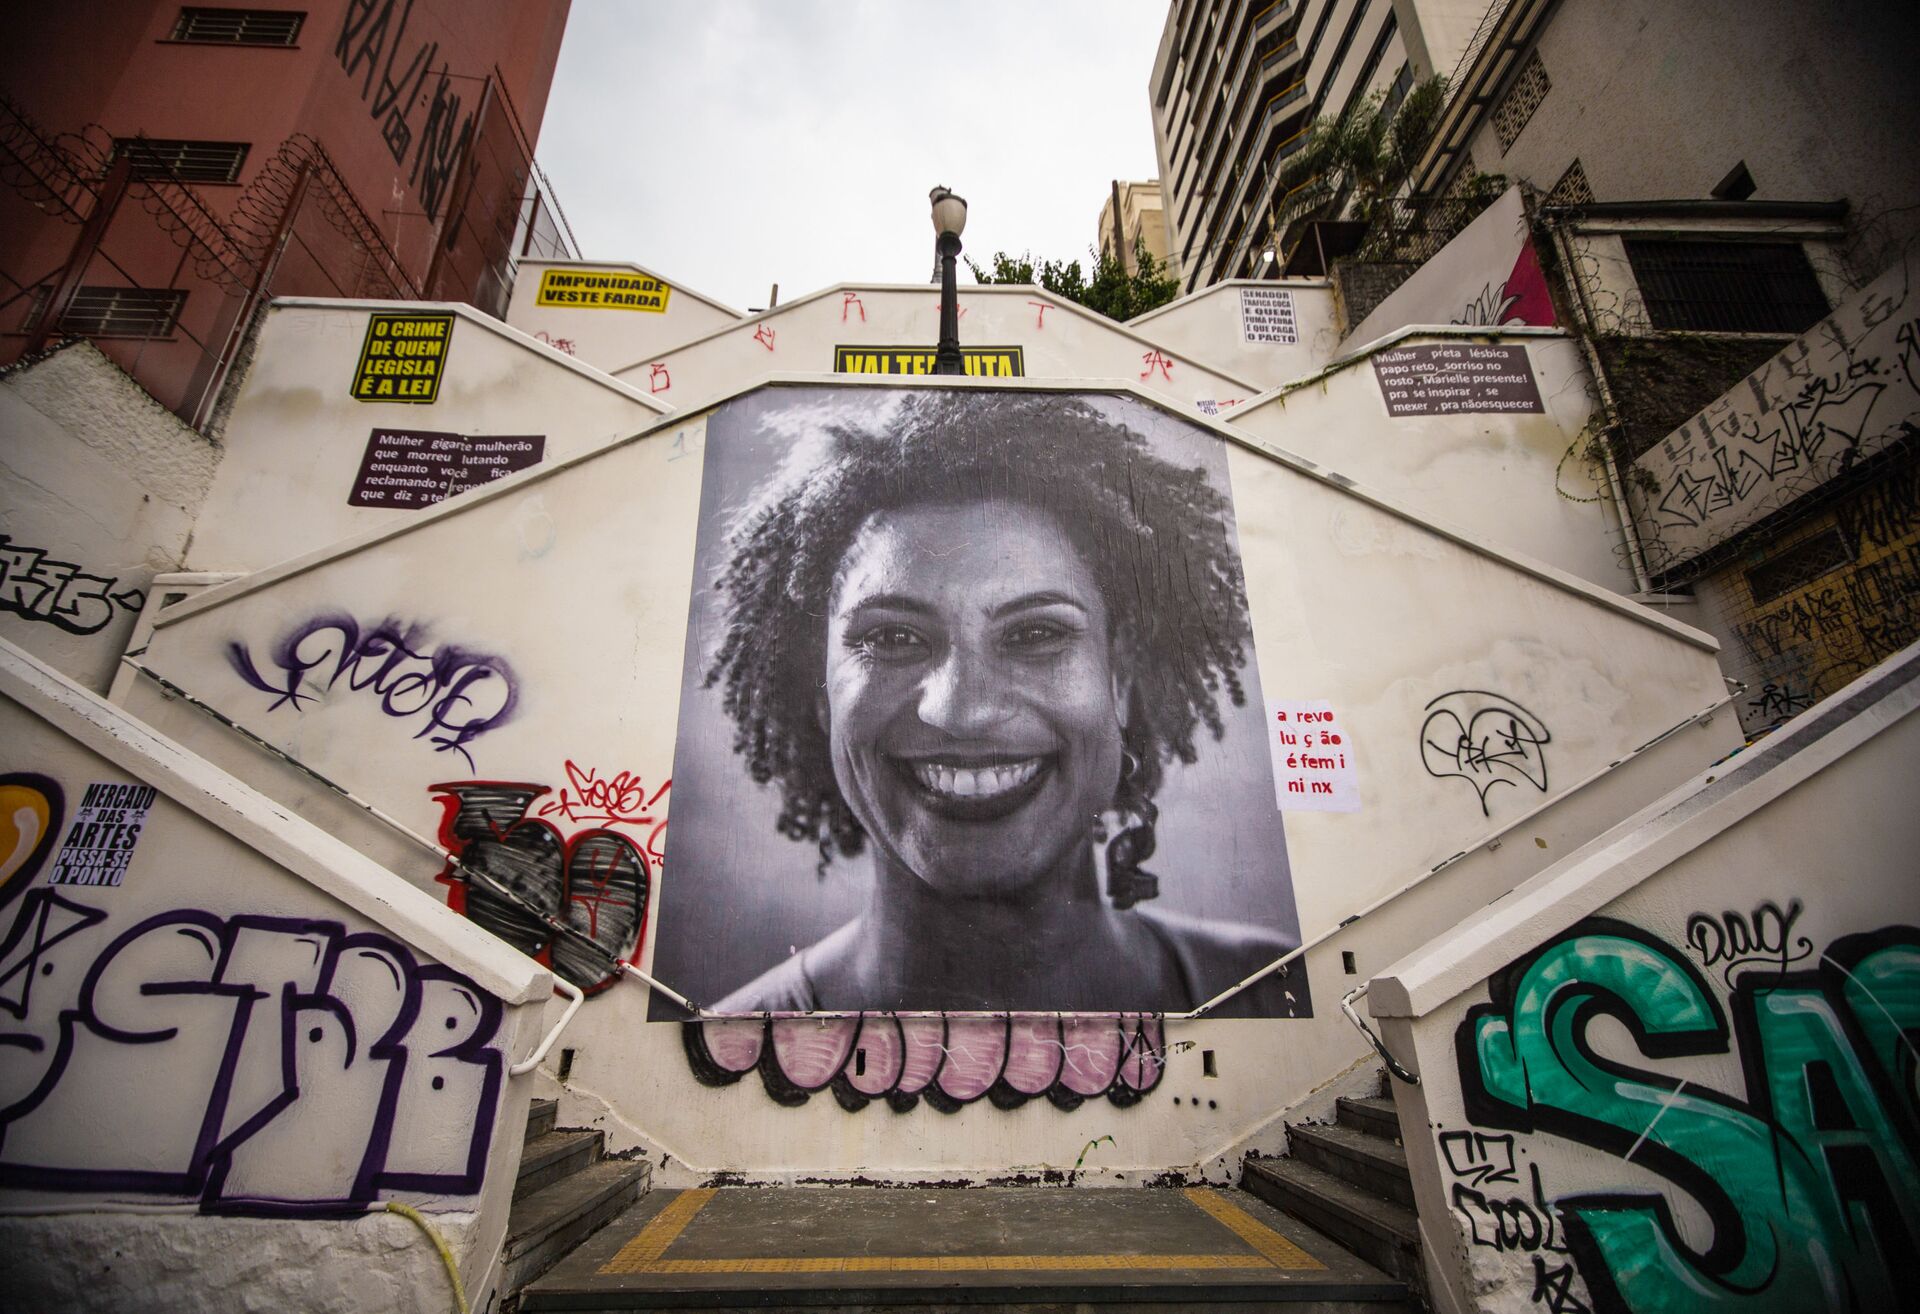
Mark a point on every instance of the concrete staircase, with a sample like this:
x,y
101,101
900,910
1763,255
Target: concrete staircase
x,y
1349,1181
566,1191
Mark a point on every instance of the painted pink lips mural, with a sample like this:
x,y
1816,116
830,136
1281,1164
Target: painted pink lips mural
x,y
952,1061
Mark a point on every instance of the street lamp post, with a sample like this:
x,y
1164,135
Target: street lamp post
x,y
949,220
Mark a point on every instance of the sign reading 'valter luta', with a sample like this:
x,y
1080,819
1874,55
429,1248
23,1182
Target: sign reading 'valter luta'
x,y
981,362
403,358
602,289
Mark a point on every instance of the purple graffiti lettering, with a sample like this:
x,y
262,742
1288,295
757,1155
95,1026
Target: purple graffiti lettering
x,y
462,693
272,1035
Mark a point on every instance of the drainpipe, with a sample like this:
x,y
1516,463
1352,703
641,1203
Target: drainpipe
x,y
1636,558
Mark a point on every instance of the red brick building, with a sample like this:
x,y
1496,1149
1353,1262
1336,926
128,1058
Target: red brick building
x,y
164,169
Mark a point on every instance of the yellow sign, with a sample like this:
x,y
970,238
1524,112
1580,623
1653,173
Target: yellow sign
x,y
403,358
982,362
602,289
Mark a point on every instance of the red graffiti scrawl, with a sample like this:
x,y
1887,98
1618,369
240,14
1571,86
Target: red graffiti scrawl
x,y
658,380
1154,360
764,336
852,299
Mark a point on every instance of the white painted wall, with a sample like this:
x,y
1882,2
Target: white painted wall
x,y
1207,325
296,435
1478,278
1511,478
1816,101
578,576
1700,1099
99,486
1059,339
607,337
199,1037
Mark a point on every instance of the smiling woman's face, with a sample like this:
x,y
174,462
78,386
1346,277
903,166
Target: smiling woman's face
x,y
972,697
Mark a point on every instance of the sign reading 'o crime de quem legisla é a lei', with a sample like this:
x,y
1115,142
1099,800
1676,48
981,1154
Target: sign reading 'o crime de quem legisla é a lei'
x,y
602,289
403,358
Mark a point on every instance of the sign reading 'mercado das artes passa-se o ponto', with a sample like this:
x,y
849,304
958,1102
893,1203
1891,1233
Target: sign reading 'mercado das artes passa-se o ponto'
x,y
602,289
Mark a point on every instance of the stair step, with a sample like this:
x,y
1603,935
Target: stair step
x,y
541,1117
1385,1234
547,1159
547,1224
1372,1163
990,1248
1377,1117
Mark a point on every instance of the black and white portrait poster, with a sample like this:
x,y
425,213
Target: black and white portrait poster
x,y
970,717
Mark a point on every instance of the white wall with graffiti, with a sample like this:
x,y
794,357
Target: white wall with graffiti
x,y
1488,275
1676,1070
1005,332
1267,331
608,313
353,416
215,1012
524,672
1475,429
99,488
1838,396
1792,503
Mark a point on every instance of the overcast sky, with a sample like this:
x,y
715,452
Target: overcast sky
x,y
732,144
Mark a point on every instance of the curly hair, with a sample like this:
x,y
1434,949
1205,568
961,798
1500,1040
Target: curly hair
x,y
1156,536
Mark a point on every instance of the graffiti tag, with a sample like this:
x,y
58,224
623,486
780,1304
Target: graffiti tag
x,y
460,693
1809,1183
59,593
1486,739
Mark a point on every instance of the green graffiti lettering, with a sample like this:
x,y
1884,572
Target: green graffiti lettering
x,y
1810,1183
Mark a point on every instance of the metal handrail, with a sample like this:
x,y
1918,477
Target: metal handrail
x,y
1492,841
577,997
1379,1046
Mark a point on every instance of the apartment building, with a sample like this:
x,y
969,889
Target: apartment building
x,y
1142,222
1236,85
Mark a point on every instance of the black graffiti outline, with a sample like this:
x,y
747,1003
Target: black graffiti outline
x,y
1516,746
1741,940
23,568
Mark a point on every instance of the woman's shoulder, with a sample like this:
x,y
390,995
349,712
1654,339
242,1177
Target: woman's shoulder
x,y
782,988
1214,955
789,985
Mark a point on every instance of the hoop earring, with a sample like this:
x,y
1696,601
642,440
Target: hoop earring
x,y
1128,882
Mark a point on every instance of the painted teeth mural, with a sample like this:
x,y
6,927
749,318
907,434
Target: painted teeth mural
x,y
948,1061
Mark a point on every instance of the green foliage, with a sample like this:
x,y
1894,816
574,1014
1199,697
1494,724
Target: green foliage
x,y
1111,291
1365,156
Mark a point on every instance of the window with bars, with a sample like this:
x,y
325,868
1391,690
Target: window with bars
x,y
189,161
117,312
1727,287
239,27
